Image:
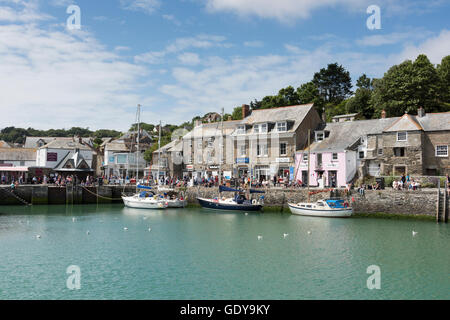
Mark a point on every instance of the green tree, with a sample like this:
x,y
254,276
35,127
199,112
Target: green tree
x,y
334,83
308,93
237,113
407,86
360,102
443,71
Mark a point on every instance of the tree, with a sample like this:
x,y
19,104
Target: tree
x,y
237,113
360,103
443,71
308,93
334,83
407,86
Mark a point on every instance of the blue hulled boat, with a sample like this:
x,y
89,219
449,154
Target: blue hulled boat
x,y
238,203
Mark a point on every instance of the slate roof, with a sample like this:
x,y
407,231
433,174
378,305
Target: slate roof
x,y
76,159
344,134
66,143
4,144
31,142
295,114
429,122
212,129
173,146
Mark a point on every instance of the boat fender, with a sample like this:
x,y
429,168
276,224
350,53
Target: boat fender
x,y
254,201
345,204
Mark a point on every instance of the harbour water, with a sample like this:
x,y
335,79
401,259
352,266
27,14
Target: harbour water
x,y
200,254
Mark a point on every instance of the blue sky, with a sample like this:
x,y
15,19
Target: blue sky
x,y
183,58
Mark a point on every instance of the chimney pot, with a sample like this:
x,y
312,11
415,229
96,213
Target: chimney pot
x,y
383,114
245,111
421,112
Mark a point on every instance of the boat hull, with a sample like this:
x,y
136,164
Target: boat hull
x,y
176,203
144,203
217,205
330,213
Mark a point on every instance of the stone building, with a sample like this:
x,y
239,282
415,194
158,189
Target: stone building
x,y
168,160
413,144
266,140
203,147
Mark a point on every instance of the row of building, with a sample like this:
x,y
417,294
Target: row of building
x,y
274,143
265,145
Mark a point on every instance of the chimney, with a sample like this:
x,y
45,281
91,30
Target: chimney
x,y
245,111
421,112
383,114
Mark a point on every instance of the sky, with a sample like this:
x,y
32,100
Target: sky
x,y
183,58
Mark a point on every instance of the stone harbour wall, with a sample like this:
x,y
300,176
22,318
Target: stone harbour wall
x,y
389,201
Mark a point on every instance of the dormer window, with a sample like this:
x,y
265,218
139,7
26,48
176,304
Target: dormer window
x,y
260,128
319,136
241,129
402,136
281,126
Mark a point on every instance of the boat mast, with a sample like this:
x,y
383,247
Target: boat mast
x,y
309,155
159,150
138,140
221,150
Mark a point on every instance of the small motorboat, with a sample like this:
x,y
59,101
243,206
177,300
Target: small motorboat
x,y
322,208
174,199
145,200
238,203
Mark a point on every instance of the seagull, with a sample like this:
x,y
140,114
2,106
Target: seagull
x,y
38,236
285,235
259,237
246,213
87,232
149,229
414,233
309,232
73,219
125,228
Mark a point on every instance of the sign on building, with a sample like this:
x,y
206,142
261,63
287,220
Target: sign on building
x,y
52,156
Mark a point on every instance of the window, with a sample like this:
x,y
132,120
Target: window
x,y
283,149
441,151
399,152
319,136
263,128
319,159
335,156
380,152
241,129
402,136
361,155
242,150
210,142
281,126
199,143
261,150
199,158
305,157
22,163
256,128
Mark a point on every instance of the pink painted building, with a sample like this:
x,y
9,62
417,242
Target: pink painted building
x,y
337,152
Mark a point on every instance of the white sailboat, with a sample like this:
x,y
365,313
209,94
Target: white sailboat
x,y
145,199
322,208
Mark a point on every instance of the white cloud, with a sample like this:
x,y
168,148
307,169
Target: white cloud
x,y
146,6
282,10
202,41
171,18
392,38
189,58
435,48
21,11
54,79
254,44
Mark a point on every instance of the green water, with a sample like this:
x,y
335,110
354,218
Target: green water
x,y
200,254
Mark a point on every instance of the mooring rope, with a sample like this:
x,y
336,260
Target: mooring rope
x,y
96,194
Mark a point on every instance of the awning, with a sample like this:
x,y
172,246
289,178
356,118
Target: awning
x,y
14,169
